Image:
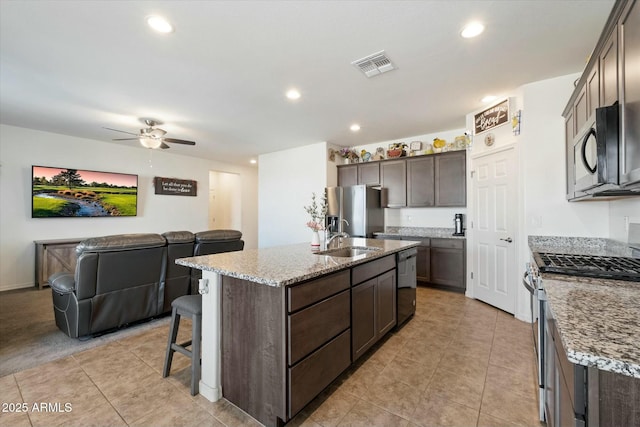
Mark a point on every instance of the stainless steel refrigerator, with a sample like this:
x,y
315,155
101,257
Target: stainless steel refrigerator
x,y
356,210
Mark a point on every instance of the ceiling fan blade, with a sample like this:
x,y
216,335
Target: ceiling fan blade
x,y
164,146
123,131
125,139
178,141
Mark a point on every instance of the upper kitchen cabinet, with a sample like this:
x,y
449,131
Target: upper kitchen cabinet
x,y
393,177
359,174
450,179
420,181
594,169
629,86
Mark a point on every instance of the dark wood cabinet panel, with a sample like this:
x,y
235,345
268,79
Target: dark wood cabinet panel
x,y
372,269
593,92
630,94
609,71
570,131
312,327
393,176
386,303
450,179
420,182
423,264
347,175
363,320
448,267
309,377
369,174
315,290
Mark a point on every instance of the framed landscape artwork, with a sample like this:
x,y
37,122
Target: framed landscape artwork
x,y
59,192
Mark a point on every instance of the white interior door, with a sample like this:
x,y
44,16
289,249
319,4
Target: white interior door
x,y
495,213
224,201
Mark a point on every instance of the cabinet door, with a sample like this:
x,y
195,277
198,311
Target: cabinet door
x,y
363,320
423,263
630,94
580,110
609,71
570,131
550,376
447,267
386,303
393,176
593,91
420,182
347,175
450,179
565,412
369,174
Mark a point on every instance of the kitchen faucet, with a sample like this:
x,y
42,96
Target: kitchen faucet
x,y
328,236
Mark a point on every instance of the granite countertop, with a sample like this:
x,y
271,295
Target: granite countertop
x,y
286,265
431,232
598,322
579,246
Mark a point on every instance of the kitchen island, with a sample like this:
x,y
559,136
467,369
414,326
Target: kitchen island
x,y
279,323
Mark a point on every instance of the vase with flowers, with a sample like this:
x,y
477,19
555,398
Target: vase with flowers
x,y
349,155
317,210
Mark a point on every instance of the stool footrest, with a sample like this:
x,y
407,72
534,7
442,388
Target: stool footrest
x,y
180,349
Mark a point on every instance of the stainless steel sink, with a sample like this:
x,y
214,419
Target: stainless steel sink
x,y
349,251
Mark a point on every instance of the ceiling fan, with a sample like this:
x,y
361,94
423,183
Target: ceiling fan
x,y
152,136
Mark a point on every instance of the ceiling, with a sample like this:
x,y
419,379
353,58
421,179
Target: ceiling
x,y
75,67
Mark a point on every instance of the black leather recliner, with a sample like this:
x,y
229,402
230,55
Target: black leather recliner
x,y
178,277
118,280
213,242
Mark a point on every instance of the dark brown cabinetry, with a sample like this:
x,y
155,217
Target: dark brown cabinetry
x,y
359,174
448,263
373,303
420,182
423,261
609,71
393,177
450,179
347,175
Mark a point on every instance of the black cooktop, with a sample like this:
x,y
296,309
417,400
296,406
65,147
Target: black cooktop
x,y
603,267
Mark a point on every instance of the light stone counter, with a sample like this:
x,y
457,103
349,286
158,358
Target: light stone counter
x,y
431,232
579,246
598,322
286,265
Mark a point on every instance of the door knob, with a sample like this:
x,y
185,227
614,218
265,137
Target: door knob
x,y
508,240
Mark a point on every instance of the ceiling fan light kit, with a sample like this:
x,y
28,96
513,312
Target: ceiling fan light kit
x,y
152,137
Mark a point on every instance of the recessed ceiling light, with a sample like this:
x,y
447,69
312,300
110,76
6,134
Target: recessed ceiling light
x,y
159,24
293,94
355,127
489,98
253,161
472,29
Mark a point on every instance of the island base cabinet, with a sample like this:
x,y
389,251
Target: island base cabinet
x,y
614,399
309,377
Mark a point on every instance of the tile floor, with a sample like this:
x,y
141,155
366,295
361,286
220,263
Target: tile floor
x,y
458,362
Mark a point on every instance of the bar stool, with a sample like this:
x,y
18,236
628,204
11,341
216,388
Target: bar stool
x,y
187,305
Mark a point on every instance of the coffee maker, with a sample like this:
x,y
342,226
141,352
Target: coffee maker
x,y
458,222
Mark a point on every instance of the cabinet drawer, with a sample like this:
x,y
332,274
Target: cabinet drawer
x,y
447,243
315,325
309,377
316,290
371,269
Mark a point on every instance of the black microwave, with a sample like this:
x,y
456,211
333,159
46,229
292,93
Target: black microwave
x,y
596,157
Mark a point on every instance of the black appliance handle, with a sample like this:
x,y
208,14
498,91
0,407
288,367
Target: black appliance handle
x,y
592,131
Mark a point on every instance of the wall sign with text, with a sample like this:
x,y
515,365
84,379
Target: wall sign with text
x,y
175,187
491,117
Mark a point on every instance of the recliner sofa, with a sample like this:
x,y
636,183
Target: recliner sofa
x,y
121,279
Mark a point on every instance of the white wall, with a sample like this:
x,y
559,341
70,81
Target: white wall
x,y
286,180
622,212
21,148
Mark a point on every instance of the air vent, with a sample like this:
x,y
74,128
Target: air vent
x,y
375,64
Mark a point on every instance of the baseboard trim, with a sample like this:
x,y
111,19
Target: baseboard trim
x,y
16,286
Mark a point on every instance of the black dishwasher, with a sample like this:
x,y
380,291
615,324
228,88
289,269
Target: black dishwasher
x,y
406,284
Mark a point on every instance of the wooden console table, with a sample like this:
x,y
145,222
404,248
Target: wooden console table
x,y
53,256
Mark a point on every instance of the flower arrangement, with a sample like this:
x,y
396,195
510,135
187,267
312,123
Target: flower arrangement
x,y
348,153
317,212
